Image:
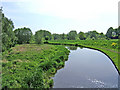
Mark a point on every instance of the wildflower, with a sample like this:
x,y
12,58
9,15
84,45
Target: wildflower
x,y
113,44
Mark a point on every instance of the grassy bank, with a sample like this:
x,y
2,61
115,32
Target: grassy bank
x,y
110,47
32,66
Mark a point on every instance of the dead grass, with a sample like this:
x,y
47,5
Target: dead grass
x,y
3,61
29,47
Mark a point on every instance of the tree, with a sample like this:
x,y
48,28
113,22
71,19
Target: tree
x,y
116,33
23,34
92,34
101,36
45,33
39,35
82,36
109,32
56,36
72,35
8,36
63,36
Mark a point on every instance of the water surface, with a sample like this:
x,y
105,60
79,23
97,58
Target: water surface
x,y
86,68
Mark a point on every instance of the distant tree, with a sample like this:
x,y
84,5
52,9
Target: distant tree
x,y
109,32
72,35
38,37
23,34
114,33
45,33
56,36
92,34
8,36
63,36
81,36
101,36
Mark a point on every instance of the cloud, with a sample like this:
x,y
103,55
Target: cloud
x,y
74,9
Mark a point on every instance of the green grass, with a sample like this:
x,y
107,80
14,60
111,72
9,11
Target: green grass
x,y
32,65
109,47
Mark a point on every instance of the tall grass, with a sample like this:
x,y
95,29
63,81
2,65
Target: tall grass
x,y
31,65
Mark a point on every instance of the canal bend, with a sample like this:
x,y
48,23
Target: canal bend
x,y
86,68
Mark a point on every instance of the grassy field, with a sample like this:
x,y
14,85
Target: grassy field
x,y
109,47
32,65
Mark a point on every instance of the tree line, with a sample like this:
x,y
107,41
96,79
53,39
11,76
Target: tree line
x,y
24,35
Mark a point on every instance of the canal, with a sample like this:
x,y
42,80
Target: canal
x,y
86,68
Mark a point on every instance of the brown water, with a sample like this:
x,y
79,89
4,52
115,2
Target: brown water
x,y
86,68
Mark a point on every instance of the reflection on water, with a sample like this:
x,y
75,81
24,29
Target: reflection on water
x,y
86,68
72,47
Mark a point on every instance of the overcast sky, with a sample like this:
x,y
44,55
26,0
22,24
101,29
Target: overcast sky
x,y
61,16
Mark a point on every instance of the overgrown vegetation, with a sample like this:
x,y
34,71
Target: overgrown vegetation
x,y
31,65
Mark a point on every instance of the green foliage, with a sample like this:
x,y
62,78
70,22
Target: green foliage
x,y
32,65
42,35
82,36
23,34
72,35
100,43
63,36
92,34
58,36
55,36
109,32
46,38
46,33
8,36
35,80
113,33
32,40
101,36
38,37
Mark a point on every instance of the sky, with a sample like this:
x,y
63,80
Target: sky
x,y
62,16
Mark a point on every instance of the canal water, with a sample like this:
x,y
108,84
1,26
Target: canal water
x,y
86,68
